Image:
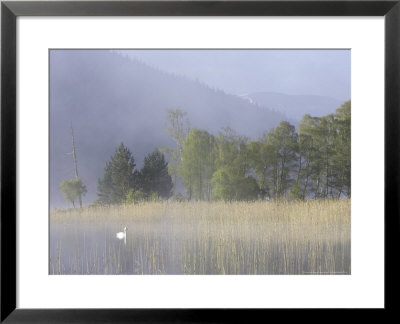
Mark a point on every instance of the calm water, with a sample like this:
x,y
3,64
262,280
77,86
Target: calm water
x,y
168,248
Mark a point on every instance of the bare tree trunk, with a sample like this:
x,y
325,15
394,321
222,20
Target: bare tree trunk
x,y
307,177
75,163
317,189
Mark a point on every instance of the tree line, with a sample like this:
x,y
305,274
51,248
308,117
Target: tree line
x,y
312,162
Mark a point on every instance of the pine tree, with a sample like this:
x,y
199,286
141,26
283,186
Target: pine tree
x,y
154,177
119,177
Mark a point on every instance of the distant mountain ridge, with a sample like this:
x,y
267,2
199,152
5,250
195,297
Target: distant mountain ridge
x,y
295,106
110,98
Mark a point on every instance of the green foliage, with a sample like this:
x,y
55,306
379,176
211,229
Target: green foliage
x,y
295,192
223,186
342,152
198,164
138,196
314,162
179,197
229,187
232,180
260,157
72,189
248,189
325,154
178,128
153,196
96,203
282,141
154,177
119,177
135,196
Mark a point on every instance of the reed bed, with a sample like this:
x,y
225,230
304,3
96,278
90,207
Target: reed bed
x,y
307,237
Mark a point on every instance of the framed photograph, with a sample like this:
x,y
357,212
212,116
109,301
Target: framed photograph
x,y
193,161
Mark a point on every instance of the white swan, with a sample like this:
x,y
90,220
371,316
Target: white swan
x,y
122,235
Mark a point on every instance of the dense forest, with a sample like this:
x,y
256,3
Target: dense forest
x,y
312,162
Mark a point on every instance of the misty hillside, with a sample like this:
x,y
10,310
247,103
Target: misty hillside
x,y
295,106
110,98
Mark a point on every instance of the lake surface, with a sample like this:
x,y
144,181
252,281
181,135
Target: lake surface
x,y
168,240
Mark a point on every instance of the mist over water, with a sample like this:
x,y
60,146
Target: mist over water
x,y
203,238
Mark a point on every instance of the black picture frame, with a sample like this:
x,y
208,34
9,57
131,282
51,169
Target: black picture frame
x,y
10,10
